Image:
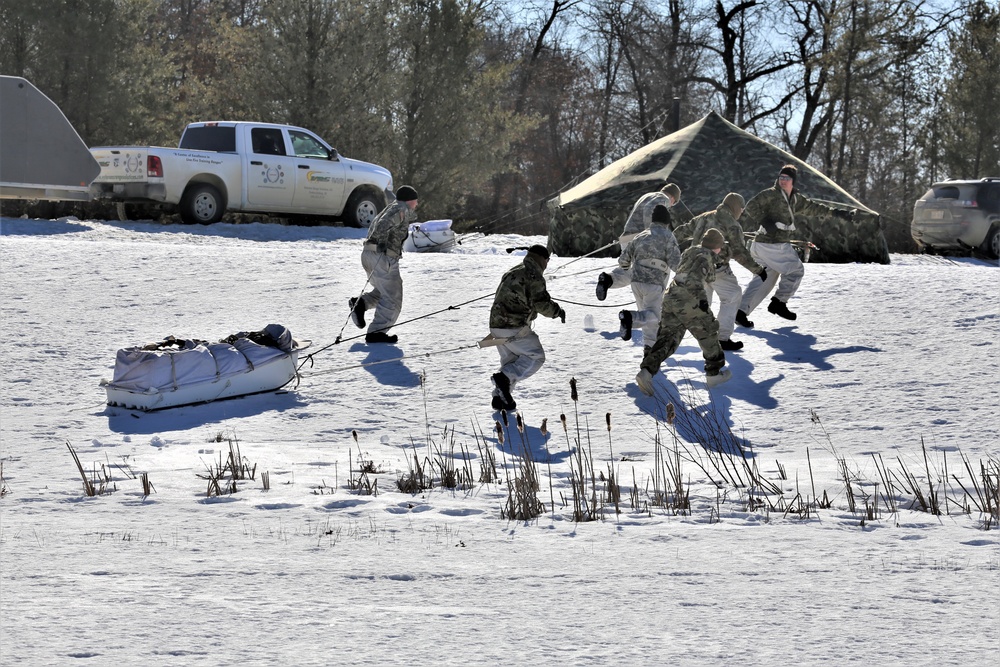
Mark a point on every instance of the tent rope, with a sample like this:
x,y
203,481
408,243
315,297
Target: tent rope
x,y
340,339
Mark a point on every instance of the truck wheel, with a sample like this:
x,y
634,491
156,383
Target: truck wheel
x,y
361,210
202,204
129,212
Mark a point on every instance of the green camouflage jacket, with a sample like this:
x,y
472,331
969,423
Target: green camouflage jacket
x,y
521,297
697,268
775,214
389,230
722,219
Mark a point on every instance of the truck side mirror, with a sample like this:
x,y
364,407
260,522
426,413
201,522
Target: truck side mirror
x,y
333,154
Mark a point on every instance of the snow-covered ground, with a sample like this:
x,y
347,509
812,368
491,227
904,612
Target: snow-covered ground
x,y
889,372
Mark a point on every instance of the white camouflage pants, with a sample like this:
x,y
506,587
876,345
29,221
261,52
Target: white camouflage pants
x,y
648,303
386,295
781,261
520,357
621,277
728,289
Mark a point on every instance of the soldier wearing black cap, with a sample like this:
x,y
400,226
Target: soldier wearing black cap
x,y
380,259
520,298
773,212
649,258
639,219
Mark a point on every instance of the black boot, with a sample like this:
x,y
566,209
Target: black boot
x,y
780,309
380,337
502,382
742,320
731,345
357,311
604,281
625,328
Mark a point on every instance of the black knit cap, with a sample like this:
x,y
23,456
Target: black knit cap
x,y
789,170
539,250
406,193
660,214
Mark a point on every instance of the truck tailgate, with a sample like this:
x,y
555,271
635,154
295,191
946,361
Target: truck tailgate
x,y
121,164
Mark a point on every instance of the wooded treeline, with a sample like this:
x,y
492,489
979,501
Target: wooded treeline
x,y
490,107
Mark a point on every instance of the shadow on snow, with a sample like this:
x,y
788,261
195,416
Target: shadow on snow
x,y
136,422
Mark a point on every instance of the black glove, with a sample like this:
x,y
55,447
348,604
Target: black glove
x,y
763,274
703,305
561,315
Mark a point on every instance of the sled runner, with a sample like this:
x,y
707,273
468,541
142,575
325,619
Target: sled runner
x,y
175,372
430,236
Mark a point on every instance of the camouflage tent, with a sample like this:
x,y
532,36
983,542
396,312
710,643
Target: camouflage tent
x,y
707,159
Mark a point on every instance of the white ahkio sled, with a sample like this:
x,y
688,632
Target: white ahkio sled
x,y
176,372
430,236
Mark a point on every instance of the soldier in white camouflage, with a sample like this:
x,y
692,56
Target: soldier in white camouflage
x,y
685,308
773,211
638,220
380,259
649,258
520,298
725,218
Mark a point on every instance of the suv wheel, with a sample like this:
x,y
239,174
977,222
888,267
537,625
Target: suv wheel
x,y
991,246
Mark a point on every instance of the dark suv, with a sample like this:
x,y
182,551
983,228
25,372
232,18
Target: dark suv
x,y
959,215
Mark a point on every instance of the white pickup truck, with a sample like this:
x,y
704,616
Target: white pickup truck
x,y
251,167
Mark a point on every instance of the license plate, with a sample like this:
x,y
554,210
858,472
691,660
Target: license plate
x,y
937,215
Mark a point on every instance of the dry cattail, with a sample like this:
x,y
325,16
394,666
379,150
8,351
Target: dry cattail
x,y
607,418
354,434
562,418
572,389
544,427
499,430
503,416
670,413
520,423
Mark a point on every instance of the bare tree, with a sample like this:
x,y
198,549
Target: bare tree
x,y
745,61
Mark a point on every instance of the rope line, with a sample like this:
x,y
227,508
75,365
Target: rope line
x,y
394,359
570,275
340,339
598,305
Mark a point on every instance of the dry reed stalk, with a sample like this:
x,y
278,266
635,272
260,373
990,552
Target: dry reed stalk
x,y
88,487
147,486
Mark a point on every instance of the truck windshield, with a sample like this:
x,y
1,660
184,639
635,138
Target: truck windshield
x,y
220,139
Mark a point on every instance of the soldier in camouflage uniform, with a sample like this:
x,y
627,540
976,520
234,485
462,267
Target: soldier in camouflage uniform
x,y
774,211
638,220
380,259
649,258
520,298
725,218
685,308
